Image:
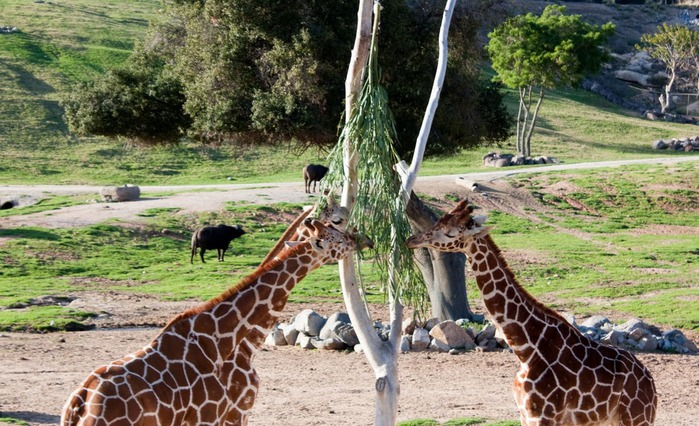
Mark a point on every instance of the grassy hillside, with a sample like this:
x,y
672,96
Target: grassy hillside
x,y
62,43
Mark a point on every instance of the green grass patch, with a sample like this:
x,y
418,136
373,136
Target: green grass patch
x,y
42,319
13,421
153,259
47,204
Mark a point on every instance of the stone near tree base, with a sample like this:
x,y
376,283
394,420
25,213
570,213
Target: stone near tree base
x,y
439,346
488,333
309,322
275,338
451,335
328,344
290,333
120,193
421,339
405,343
305,341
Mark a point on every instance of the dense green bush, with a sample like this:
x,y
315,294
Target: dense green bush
x,y
138,101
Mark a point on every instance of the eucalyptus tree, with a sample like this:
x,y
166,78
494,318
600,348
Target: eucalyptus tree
x,y
534,54
362,163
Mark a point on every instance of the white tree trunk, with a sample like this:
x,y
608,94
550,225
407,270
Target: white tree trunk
x,y
382,356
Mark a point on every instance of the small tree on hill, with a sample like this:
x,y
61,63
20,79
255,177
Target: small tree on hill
x,y
536,53
675,46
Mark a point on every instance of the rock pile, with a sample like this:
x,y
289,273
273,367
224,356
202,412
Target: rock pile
x,y
313,331
683,144
495,159
120,193
8,30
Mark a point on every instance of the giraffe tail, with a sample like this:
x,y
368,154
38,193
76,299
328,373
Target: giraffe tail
x,y
74,408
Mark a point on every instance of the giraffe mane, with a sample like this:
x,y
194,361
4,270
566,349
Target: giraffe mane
x,y
535,303
241,285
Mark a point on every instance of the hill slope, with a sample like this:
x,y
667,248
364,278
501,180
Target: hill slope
x,y
59,44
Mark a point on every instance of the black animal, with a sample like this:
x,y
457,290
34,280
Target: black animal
x,y
214,237
313,173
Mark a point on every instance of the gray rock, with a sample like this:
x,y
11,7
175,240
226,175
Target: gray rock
x,y
305,341
631,325
659,144
345,333
438,346
405,343
613,338
290,333
327,331
309,322
340,316
501,162
430,323
488,345
595,321
648,343
329,344
421,339
275,338
488,333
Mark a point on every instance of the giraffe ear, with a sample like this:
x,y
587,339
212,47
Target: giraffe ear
x,y
291,244
460,207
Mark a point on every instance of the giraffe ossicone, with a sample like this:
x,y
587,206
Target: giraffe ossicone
x,y
565,378
198,369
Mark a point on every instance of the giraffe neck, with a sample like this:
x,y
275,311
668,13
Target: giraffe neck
x,y
524,321
244,314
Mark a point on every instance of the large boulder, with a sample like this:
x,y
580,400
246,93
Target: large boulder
x,y
120,193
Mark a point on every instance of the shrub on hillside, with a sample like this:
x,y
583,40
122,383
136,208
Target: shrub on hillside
x,y
138,102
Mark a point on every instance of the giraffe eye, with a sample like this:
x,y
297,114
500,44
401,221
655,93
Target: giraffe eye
x,y
451,234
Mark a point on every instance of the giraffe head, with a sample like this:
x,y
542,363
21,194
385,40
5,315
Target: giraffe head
x,y
453,232
335,214
329,243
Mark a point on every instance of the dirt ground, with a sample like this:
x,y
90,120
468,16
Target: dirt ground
x,y
298,387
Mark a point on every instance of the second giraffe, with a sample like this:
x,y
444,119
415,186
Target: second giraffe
x,y
564,378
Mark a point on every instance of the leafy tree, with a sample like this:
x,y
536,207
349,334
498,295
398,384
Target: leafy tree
x,y
138,101
269,72
676,47
536,53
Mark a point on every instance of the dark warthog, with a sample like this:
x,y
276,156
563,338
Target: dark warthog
x,y
214,237
313,173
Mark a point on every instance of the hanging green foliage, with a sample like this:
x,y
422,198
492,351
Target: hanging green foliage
x,y
379,211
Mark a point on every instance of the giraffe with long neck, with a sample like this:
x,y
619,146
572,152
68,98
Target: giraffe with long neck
x,y
565,378
198,370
